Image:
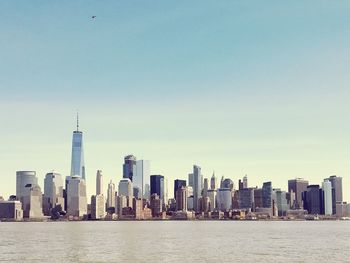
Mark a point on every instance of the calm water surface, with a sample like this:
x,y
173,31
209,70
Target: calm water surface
x,y
175,241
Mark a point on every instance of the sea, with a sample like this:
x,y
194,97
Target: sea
x,y
175,241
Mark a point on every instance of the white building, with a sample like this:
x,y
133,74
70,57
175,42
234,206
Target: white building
x,y
76,196
111,195
32,202
212,199
97,207
327,196
53,192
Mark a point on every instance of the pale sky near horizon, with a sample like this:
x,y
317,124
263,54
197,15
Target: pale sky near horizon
x,y
240,87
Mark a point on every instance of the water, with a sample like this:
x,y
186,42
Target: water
x,y
175,241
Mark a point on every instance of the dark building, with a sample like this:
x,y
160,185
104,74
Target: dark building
x,y
178,184
156,205
297,186
312,199
337,191
227,183
245,198
258,198
157,185
129,167
267,195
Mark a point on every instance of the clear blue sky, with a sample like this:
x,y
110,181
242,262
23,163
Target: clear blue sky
x,y
239,87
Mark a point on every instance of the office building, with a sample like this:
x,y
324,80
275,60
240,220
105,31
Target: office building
x,y
141,178
267,195
24,178
125,188
156,204
190,180
280,200
11,210
99,183
110,195
212,199
76,196
77,163
32,202
97,207
213,182
245,198
178,184
181,199
327,197
312,199
53,192
224,199
197,189
129,167
297,187
157,186
337,191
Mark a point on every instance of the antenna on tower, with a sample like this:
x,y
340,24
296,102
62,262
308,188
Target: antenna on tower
x,y
77,120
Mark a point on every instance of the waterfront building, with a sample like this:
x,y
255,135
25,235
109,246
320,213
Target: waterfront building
x,y
122,202
157,186
99,183
141,178
212,199
125,189
97,207
224,199
213,182
24,178
53,192
181,198
76,196
280,200
129,167
11,210
312,199
156,204
197,190
258,197
178,184
111,195
77,162
245,198
327,197
32,202
137,208
297,186
337,191
267,195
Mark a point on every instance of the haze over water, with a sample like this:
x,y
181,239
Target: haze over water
x,y
175,241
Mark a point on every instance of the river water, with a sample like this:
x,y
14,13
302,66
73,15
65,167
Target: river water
x,y
176,241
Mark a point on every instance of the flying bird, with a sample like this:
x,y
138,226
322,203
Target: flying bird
x,y
93,17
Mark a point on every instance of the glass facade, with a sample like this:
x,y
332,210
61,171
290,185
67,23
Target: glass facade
x,y
77,166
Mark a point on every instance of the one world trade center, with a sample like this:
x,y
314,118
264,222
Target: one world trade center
x,y
78,166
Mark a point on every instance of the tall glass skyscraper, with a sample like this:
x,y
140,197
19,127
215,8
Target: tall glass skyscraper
x,y
77,166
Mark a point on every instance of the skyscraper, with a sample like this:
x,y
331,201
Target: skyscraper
x,y
141,178
53,192
197,189
76,196
129,167
99,183
157,186
77,165
181,198
312,200
22,179
267,195
327,197
213,183
125,188
297,187
32,202
111,195
337,191
178,184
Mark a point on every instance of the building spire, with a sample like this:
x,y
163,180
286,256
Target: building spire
x,y
77,121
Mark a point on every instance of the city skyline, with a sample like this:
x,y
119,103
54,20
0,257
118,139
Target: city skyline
x,y
239,88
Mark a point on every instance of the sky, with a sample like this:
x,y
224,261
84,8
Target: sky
x,y
238,87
